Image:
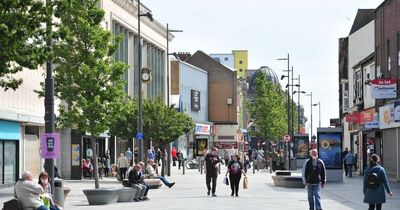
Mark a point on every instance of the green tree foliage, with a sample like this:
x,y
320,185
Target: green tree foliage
x,y
268,110
22,42
86,78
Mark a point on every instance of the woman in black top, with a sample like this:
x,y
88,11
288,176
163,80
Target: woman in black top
x,y
235,170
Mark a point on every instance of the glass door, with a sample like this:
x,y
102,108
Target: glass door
x,y
1,162
10,162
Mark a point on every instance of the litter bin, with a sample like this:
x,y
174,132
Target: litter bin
x,y
59,192
293,163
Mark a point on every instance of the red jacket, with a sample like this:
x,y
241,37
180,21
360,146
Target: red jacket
x,y
173,153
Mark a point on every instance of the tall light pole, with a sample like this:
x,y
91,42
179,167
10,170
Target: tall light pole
x,y
49,116
139,135
311,106
298,103
288,102
168,90
319,114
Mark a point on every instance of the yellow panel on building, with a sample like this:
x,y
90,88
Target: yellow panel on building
x,y
241,62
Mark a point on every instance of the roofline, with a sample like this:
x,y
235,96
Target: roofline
x,y
195,67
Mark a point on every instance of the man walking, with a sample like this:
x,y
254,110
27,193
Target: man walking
x,y
128,155
122,165
174,158
349,160
211,162
314,178
344,153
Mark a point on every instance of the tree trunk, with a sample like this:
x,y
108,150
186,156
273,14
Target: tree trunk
x,y
95,164
163,162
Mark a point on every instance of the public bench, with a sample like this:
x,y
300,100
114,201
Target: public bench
x,y
288,181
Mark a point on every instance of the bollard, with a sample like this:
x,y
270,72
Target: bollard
x,y
219,168
200,165
183,166
254,166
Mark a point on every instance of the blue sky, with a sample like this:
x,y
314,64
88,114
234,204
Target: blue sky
x,y
269,29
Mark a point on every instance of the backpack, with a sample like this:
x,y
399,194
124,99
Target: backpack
x,y
12,204
373,180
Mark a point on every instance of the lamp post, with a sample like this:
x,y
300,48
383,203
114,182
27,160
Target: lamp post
x,y
311,106
49,116
298,103
168,90
288,101
139,135
319,112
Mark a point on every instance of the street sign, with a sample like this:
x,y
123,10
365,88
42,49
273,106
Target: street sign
x,y
139,136
50,145
89,152
286,138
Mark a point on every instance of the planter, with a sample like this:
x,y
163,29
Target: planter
x,y
102,196
126,194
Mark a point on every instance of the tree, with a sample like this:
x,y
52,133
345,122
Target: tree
x,y
268,110
161,124
21,39
87,79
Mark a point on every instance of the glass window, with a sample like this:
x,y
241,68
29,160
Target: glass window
x,y
1,162
10,162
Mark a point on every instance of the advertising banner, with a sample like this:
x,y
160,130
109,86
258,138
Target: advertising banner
x,y
202,129
195,100
383,88
50,145
202,145
300,150
330,149
353,117
75,154
226,145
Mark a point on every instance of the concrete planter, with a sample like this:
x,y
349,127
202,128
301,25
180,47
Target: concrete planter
x,y
102,196
126,194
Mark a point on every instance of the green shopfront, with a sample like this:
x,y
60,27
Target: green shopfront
x,y
9,152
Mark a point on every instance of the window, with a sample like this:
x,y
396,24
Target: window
x,y
345,96
240,62
240,70
225,59
357,86
389,67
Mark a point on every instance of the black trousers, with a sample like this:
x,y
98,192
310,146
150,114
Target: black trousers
x,y
122,172
274,165
234,180
211,177
346,172
372,206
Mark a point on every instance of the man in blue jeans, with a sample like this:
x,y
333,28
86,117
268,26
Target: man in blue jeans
x,y
314,178
153,174
349,160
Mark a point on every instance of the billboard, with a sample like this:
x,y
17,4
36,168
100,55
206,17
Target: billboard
x,y
300,147
195,100
330,149
383,88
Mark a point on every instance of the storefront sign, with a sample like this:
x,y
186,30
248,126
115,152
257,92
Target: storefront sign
x,y
225,145
353,117
195,100
202,129
387,118
50,145
383,88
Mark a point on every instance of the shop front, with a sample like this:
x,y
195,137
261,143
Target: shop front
x,y
10,134
201,139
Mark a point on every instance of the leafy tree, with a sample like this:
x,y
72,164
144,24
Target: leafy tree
x,y
87,79
21,39
161,124
268,111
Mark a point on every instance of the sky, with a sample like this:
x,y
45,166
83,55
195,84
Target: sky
x,y
308,30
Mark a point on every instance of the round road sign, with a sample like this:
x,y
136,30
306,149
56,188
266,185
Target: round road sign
x,y
286,138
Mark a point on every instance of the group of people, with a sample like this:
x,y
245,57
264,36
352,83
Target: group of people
x,y
375,181
104,167
35,195
177,155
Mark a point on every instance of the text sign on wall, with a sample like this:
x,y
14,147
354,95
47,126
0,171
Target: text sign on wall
x,y
202,129
383,88
50,144
195,100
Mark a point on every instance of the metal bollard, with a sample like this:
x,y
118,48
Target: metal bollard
x,y
254,166
219,168
183,166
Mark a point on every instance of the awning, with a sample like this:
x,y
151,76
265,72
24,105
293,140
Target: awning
x,y
10,130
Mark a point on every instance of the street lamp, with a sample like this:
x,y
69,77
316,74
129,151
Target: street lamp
x,y
139,134
288,100
298,104
319,112
168,90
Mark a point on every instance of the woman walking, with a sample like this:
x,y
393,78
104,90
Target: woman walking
x,y
235,170
375,184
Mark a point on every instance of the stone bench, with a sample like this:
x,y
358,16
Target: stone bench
x,y
126,194
152,183
288,181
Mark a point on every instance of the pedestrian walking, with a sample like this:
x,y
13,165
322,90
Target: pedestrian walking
x,y
174,158
375,184
227,157
179,156
274,159
211,170
281,160
122,165
235,170
344,153
129,155
314,178
158,156
349,160
150,154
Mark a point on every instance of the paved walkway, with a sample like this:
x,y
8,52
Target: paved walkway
x,y
190,193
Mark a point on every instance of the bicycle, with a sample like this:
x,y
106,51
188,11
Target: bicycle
x,y
192,164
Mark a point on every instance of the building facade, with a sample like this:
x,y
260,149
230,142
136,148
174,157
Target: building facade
x,y
190,83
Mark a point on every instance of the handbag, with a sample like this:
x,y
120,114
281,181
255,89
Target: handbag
x,y
245,182
225,180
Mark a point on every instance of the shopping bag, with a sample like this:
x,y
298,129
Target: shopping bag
x,y
225,180
245,182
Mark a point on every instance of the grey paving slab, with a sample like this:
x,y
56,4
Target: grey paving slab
x,y
190,193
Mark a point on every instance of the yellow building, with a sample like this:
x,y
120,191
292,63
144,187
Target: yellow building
x,y
241,62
